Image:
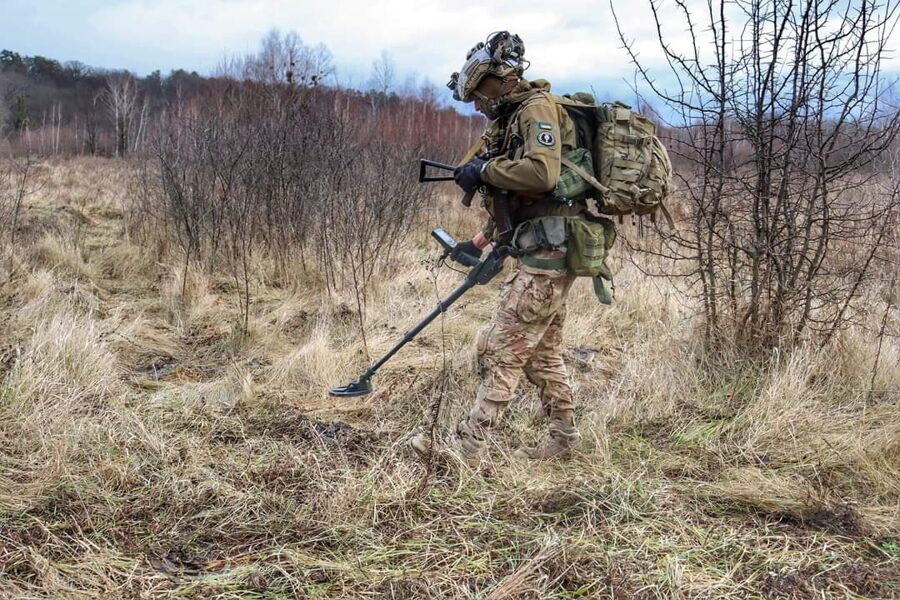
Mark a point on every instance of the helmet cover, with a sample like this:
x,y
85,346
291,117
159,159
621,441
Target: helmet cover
x,y
501,56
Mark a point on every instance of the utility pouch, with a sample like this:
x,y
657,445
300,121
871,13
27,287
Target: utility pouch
x,y
589,244
547,233
571,184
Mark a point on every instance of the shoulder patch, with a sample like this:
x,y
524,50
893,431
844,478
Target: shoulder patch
x,y
545,138
545,125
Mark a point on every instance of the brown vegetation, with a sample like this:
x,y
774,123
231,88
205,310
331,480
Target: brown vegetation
x,y
150,448
785,126
171,324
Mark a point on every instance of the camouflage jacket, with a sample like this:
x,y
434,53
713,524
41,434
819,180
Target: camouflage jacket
x,y
523,148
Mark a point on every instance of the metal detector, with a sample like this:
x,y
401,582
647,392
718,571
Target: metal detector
x,y
481,272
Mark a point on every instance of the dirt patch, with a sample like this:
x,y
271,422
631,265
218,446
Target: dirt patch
x,y
158,368
837,519
298,323
859,578
300,428
178,564
583,359
590,577
169,369
841,519
561,501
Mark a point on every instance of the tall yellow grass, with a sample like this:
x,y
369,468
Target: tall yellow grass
x,y
148,448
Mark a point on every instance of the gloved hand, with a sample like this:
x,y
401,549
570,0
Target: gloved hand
x,y
468,176
466,253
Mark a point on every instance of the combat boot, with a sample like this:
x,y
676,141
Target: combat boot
x,y
468,447
561,443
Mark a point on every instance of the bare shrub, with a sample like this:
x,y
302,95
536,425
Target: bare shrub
x,y
781,117
17,182
282,173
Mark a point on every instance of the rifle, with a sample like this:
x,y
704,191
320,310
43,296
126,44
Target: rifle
x,y
501,215
481,272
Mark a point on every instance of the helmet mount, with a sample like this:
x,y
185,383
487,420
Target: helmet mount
x,y
502,54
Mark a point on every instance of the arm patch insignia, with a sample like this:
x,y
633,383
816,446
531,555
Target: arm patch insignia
x,y
545,138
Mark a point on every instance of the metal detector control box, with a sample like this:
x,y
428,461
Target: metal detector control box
x,y
449,245
444,239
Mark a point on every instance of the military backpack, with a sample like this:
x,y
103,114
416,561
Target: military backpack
x,y
619,161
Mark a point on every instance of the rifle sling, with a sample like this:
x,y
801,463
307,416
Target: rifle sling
x,y
471,152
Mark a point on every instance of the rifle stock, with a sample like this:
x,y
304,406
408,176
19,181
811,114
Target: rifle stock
x,y
502,217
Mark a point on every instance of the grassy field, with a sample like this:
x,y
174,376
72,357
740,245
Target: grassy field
x,y
148,449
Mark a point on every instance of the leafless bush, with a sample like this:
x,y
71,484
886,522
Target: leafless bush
x,y
283,171
781,118
16,184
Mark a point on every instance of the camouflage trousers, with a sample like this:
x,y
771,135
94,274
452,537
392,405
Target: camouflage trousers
x,y
525,336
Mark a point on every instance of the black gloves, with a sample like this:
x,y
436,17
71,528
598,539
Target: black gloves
x,y
468,176
466,253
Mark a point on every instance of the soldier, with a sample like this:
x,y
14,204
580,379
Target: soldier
x,y
520,154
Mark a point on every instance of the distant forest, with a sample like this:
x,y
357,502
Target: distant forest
x,y
48,107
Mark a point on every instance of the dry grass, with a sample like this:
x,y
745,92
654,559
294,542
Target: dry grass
x,y
147,449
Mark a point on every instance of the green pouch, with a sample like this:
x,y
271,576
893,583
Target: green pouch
x,y
601,292
589,244
570,184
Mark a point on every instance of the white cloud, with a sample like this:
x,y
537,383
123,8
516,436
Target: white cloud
x,y
570,39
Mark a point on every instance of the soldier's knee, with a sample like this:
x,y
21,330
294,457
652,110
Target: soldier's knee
x,y
482,338
484,354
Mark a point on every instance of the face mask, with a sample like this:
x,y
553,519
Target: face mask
x,y
492,108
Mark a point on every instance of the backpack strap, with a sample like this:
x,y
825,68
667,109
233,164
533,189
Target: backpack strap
x,y
584,174
512,126
665,213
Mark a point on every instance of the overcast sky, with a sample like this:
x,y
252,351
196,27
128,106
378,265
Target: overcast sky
x,y
573,43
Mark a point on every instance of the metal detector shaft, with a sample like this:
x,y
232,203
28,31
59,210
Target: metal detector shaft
x,y
442,306
480,274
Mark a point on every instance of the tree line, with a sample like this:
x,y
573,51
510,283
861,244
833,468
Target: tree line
x,y
48,107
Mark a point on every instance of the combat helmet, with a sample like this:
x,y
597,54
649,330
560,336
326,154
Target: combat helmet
x,y
502,55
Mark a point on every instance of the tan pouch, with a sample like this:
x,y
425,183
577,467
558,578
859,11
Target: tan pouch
x,y
548,233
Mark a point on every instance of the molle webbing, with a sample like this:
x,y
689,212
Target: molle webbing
x,y
632,170
549,264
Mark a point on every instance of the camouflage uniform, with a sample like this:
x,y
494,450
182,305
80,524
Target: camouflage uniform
x,y
525,334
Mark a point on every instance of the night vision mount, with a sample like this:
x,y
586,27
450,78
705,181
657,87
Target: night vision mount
x,y
501,47
504,47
